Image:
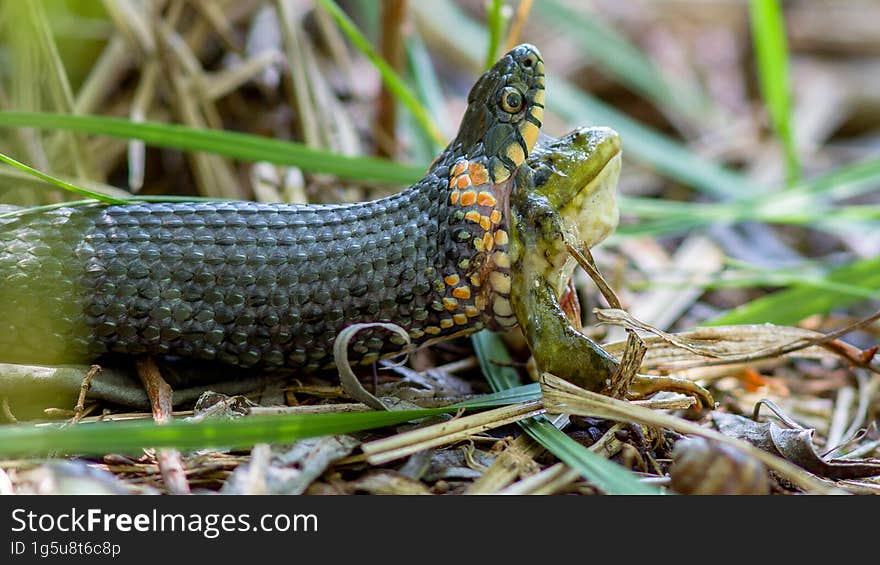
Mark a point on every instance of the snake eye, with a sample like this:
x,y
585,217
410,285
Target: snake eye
x,y
512,100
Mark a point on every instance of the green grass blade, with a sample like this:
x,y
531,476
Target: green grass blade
x,y
390,78
240,146
495,362
495,23
617,56
131,437
605,474
650,147
790,306
429,91
810,203
24,211
60,183
768,36
521,393
847,181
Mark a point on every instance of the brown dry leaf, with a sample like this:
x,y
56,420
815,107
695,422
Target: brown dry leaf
x,y
795,445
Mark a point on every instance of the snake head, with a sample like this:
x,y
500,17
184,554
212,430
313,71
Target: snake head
x,y
504,114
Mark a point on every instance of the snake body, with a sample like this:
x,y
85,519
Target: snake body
x,y
272,285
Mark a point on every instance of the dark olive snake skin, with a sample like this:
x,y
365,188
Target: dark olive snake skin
x,y
272,285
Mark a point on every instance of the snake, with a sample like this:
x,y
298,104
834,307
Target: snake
x,y
477,243
272,285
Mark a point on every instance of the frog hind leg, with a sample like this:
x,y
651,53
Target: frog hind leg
x,y
559,349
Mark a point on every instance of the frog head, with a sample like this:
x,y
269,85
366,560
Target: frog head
x,y
565,194
577,174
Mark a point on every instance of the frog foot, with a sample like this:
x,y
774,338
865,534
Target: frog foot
x,y
644,385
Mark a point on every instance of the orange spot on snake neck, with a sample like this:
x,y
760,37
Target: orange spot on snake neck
x,y
485,198
461,292
478,173
468,198
472,216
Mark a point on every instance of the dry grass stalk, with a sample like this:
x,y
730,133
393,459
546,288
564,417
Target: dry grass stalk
x,y
563,397
551,480
309,409
725,343
557,478
516,26
6,486
517,460
384,450
299,84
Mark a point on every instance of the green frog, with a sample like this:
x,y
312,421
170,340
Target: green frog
x,y
566,194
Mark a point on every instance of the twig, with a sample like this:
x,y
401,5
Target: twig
x,y
828,341
79,410
391,49
169,460
629,366
585,259
626,320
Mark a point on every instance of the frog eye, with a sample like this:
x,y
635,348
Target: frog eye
x,y
512,100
